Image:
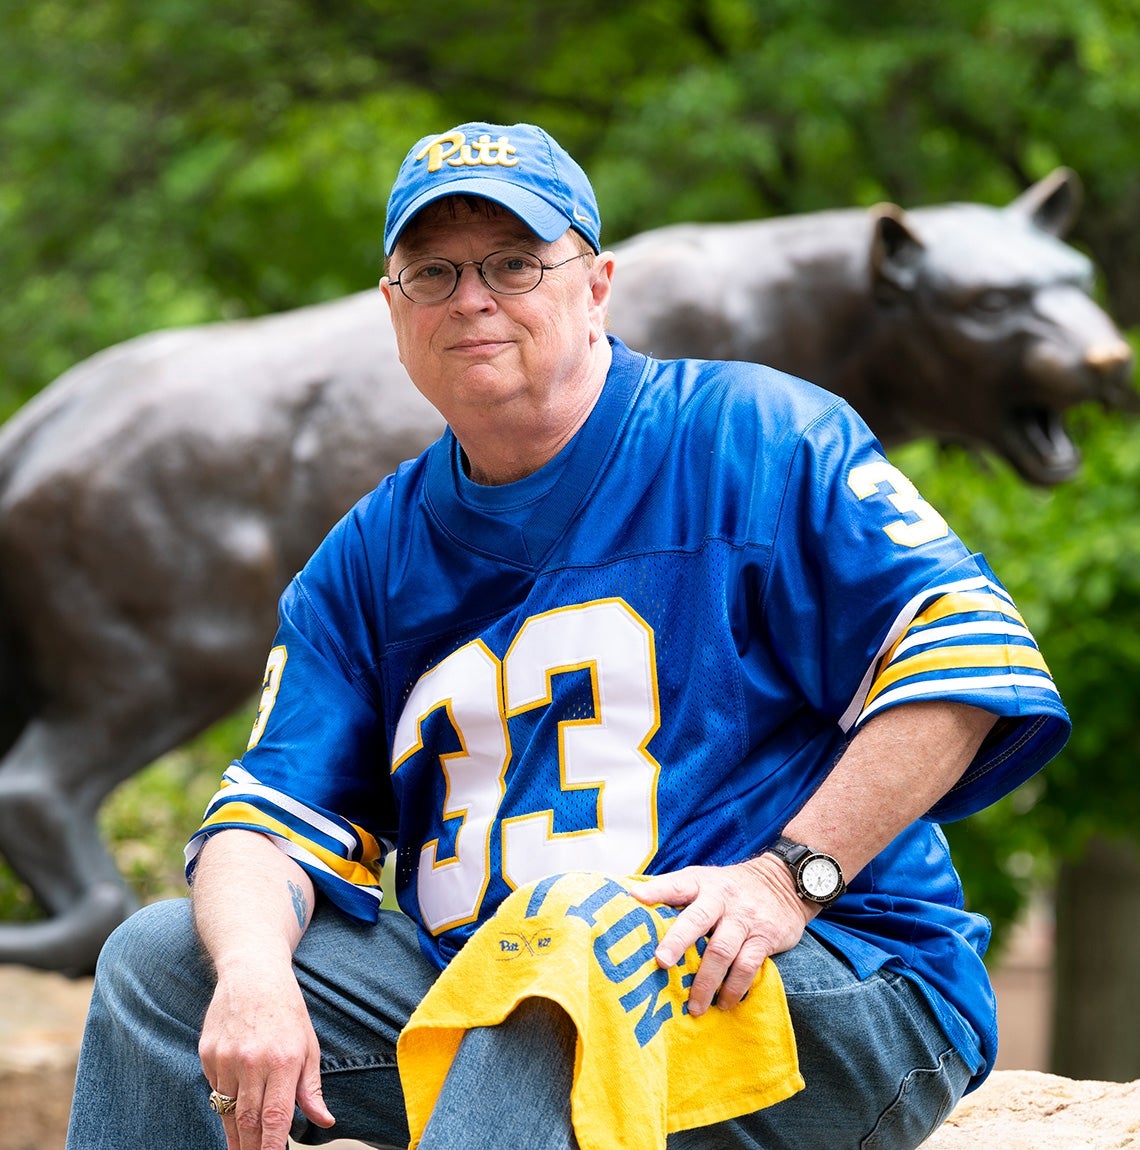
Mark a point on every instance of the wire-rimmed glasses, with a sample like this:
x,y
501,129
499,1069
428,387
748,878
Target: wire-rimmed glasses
x,y
509,272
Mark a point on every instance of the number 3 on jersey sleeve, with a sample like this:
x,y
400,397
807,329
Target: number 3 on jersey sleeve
x,y
923,523
270,685
607,752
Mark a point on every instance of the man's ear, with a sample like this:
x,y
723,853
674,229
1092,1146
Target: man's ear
x,y
601,285
387,293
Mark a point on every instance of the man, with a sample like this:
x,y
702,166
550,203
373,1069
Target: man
x,y
677,619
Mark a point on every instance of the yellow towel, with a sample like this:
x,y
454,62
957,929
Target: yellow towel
x,y
643,1065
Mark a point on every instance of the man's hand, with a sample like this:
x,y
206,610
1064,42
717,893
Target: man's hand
x,y
258,1046
749,911
252,903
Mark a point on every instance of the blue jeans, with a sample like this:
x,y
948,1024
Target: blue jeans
x,y
880,1073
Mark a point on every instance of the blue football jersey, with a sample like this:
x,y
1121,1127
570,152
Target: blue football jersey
x,y
646,655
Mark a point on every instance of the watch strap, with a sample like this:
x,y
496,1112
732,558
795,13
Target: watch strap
x,y
789,850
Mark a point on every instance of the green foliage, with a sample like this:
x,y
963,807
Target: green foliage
x,y
175,162
172,163
16,902
804,106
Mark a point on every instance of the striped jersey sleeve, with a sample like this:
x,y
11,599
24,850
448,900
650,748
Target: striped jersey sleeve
x,y
965,641
314,777
343,859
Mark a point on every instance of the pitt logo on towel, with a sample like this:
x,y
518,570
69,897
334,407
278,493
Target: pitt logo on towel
x,y
453,149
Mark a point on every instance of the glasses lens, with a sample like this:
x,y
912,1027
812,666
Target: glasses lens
x,y
426,281
512,273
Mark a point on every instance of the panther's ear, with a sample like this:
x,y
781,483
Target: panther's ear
x,y
896,251
1052,203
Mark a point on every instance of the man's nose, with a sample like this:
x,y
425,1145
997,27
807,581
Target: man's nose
x,y
470,289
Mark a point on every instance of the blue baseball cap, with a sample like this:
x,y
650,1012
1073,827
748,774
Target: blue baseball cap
x,y
520,167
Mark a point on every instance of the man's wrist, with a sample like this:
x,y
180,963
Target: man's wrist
x,y
780,881
817,876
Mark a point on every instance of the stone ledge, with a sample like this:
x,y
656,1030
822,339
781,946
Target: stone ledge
x,y
41,1024
1027,1110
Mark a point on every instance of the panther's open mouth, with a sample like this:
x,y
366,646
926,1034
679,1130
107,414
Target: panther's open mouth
x,y
1034,438
1039,447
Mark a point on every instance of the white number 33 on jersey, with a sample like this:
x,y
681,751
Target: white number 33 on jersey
x,y
608,753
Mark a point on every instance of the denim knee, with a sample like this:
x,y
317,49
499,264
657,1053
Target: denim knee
x,y
152,929
140,1044
151,961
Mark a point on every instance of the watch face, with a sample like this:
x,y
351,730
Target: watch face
x,y
819,877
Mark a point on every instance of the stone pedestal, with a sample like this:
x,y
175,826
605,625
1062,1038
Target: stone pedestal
x,y
41,1024
1028,1110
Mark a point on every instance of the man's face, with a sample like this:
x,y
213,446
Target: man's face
x,y
478,353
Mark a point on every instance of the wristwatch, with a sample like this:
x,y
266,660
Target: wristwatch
x,y
819,878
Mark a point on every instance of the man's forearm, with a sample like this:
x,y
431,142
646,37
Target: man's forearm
x,y
892,772
251,901
251,906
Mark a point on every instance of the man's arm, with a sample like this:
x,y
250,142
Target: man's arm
x,y
891,773
251,904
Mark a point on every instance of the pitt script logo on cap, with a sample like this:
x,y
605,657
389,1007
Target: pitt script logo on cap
x,y
453,149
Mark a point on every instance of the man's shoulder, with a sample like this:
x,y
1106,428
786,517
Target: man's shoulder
x,y
362,535
741,381
749,402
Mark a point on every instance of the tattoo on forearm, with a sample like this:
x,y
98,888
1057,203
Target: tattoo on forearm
x,y
300,904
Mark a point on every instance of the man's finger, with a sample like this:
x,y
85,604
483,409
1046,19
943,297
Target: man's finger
x,y
694,922
741,975
676,889
310,1098
716,962
267,1127
228,1117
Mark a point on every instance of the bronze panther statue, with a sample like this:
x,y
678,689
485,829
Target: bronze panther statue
x,y
965,322
157,497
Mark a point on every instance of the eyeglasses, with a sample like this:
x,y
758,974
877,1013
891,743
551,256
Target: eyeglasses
x,y
509,272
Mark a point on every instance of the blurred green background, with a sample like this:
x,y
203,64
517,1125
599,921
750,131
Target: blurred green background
x,y
173,162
